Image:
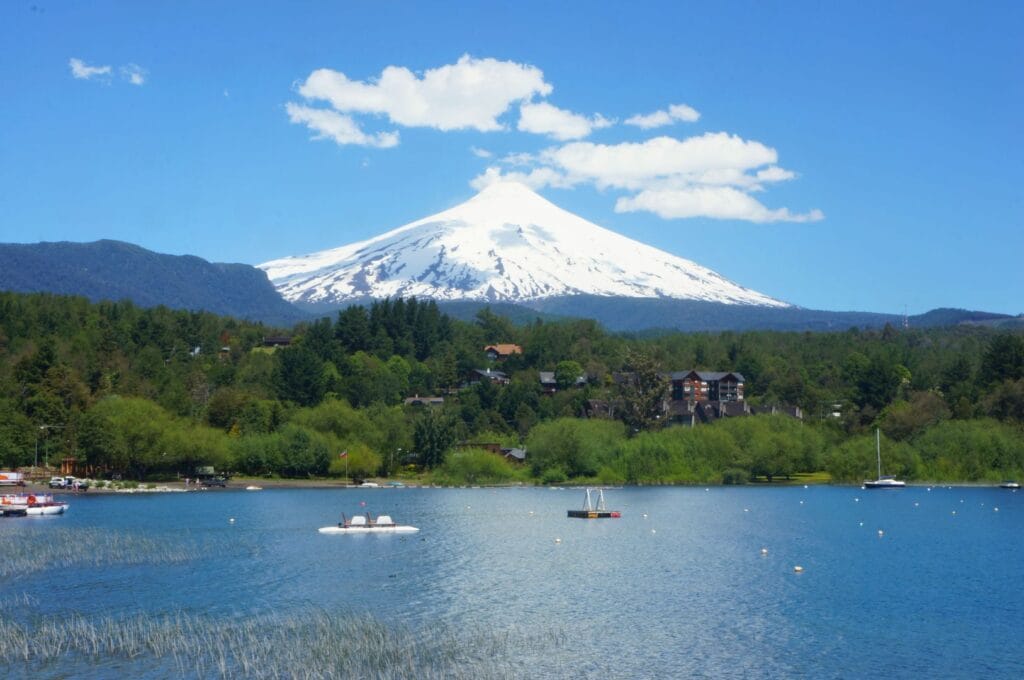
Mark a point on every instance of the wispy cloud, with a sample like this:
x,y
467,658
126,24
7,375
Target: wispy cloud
x,y
131,73
720,202
134,74
341,129
83,71
675,113
480,153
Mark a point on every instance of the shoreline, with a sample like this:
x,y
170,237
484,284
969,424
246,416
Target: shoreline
x,y
240,484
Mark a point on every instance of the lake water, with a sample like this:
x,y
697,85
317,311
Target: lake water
x,y
678,587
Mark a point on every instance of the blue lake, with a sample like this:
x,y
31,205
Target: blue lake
x,y
678,587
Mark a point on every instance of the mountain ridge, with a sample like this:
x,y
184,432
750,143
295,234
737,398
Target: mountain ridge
x,y
116,270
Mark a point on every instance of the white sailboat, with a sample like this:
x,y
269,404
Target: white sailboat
x,y
882,482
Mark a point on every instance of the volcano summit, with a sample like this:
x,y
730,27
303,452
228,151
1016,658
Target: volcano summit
x,y
506,244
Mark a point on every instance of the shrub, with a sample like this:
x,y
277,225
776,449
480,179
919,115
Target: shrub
x,y
474,466
735,476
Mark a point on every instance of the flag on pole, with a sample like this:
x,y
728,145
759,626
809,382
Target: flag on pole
x,y
343,454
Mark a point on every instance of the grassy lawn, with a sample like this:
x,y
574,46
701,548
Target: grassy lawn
x,y
799,478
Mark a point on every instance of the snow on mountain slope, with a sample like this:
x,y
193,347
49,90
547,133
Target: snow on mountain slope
x,y
507,243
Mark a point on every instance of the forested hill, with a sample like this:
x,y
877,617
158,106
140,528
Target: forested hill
x,y
150,392
113,270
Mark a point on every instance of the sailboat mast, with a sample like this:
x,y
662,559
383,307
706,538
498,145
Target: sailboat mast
x,y
878,451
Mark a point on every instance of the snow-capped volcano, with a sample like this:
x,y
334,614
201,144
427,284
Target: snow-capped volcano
x,y
507,244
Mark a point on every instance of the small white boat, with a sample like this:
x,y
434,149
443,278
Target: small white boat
x,y
883,482
365,524
47,509
253,487
1009,484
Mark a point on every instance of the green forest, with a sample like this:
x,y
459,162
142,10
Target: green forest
x,y
152,394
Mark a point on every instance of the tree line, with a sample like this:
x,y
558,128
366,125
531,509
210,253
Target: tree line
x,y
150,392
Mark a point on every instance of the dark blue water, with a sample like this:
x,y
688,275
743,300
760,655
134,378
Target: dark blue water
x,y
677,587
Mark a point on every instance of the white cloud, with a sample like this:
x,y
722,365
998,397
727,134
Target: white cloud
x,y
538,178
544,119
635,165
134,74
329,124
674,113
719,202
711,175
480,153
775,174
82,71
470,94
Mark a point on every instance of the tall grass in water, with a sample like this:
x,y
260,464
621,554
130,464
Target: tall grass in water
x,y
308,646
63,548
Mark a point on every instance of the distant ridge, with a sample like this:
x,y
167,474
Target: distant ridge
x,y
114,270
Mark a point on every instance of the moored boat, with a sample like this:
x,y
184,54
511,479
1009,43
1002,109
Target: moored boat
x,y
1009,484
31,504
883,481
367,524
591,510
13,505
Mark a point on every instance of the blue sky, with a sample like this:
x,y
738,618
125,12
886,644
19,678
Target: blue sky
x,y
845,156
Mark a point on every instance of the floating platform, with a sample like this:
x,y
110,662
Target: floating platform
x,y
591,511
594,514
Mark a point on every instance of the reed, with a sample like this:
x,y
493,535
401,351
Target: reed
x,y
64,548
310,646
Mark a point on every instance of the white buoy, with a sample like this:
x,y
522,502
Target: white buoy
x,y
231,520
856,500
801,502
954,512
746,509
645,515
881,533
798,569
764,551
862,523
654,531
558,540
531,512
805,486
995,509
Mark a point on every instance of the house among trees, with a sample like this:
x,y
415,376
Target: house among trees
x,y
478,375
549,385
502,351
512,454
276,341
417,400
703,412
706,386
